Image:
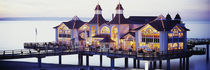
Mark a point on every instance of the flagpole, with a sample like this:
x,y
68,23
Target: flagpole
x,y
35,34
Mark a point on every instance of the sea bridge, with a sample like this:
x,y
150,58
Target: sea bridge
x,y
41,50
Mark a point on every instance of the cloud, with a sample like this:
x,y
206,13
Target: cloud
x,y
196,9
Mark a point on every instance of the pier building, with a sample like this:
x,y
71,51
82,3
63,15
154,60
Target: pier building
x,y
147,33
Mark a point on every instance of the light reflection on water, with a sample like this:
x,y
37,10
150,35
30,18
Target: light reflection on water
x,y
14,33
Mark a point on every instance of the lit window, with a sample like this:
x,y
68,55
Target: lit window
x,y
105,30
115,35
180,34
93,31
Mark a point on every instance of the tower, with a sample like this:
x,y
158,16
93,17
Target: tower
x,y
168,17
177,17
119,9
95,22
98,9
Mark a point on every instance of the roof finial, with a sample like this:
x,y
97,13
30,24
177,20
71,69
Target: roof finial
x,y
98,2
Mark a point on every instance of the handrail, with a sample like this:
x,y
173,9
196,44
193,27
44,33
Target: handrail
x,y
61,50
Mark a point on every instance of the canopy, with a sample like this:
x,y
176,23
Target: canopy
x,y
107,39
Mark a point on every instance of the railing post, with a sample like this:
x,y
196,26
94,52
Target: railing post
x,y
12,52
21,52
3,53
29,51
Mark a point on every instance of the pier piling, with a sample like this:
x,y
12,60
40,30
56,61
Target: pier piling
x,y
134,62
183,64
101,60
187,63
126,62
138,63
150,65
168,64
160,64
207,53
180,63
87,60
112,62
39,62
80,59
154,64
60,59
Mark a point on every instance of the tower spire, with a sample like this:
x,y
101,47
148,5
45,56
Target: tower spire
x,y
119,9
98,9
177,17
98,2
168,17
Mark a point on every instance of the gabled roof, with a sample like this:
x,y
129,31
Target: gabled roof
x,y
131,33
56,27
164,25
141,19
74,23
97,19
182,27
107,40
119,19
140,27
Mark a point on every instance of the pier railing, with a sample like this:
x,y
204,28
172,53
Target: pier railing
x,y
198,41
53,48
66,51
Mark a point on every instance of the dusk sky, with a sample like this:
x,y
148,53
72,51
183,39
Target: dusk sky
x,y
188,9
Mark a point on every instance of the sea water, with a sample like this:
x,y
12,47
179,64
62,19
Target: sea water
x,y
14,33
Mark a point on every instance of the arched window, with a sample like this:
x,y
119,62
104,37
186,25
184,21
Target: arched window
x,y
175,32
93,31
150,37
105,30
115,35
149,32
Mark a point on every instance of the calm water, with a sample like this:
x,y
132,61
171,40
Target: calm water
x,y
14,33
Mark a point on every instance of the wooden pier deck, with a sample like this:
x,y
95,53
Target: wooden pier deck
x,y
41,50
14,54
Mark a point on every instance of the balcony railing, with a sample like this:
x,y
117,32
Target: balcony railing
x,y
65,35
